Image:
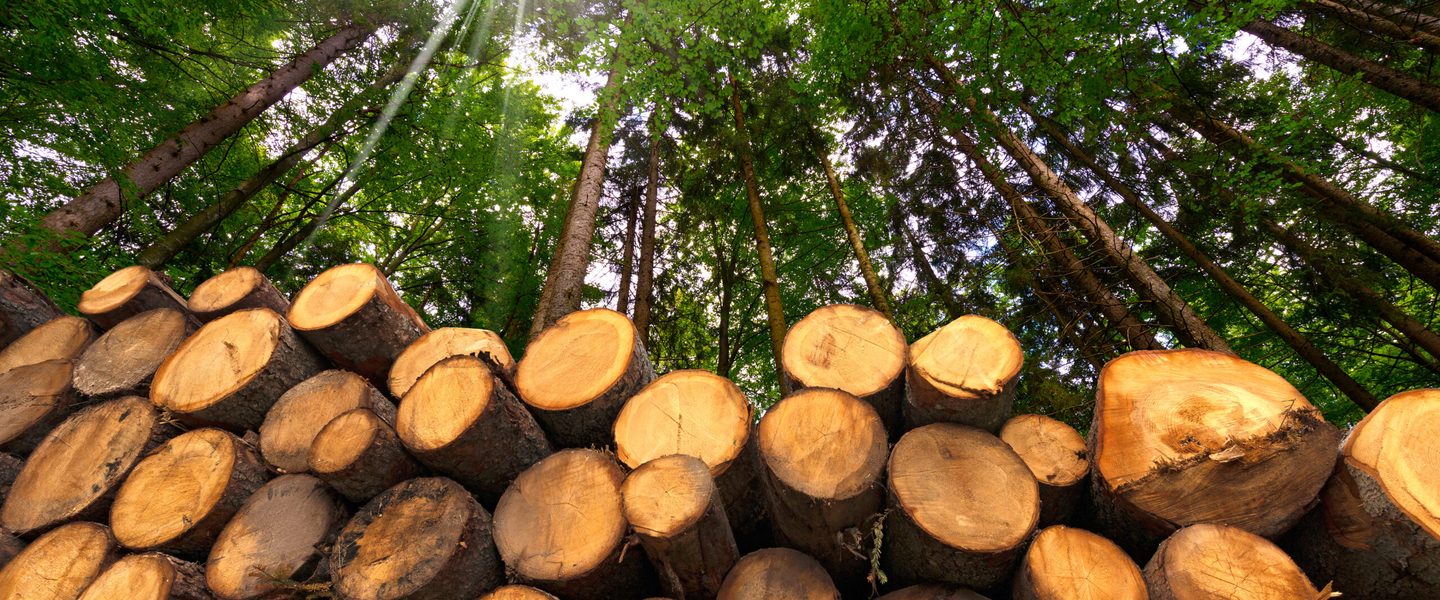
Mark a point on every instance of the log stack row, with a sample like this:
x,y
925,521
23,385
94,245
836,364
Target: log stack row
x,y
240,445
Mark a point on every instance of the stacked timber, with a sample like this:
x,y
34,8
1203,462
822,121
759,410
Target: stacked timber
x,y
1056,456
965,372
849,348
354,316
22,307
236,289
126,293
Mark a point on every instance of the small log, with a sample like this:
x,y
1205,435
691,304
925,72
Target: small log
x,y
1169,423
151,512
60,564
126,293
236,289
822,452
443,343
1376,533
850,348
123,360
61,338
10,547
458,411
1064,563
560,528
33,400
23,307
962,506
231,371
291,424
1057,457
517,592
778,573
579,372
422,539
73,474
277,536
965,372
935,591
676,511
359,455
1218,561
150,576
355,318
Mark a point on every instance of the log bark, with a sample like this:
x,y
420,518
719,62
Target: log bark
x,y
231,371
10,547
962,506
965,372
778,573
1404,15
33,400
1211,560
627,260
354,316
277,538
61,338
459,411
126,293
853,349
873,288
22,307
60,564
645,279
517,592
443,343
1417,91
359,455
1064,563
932,591
10,467
123,360
576,375
236,289
677,513
1057,457
1376,23
296,418
150,576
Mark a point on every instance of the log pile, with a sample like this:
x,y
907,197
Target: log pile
x,y
336,446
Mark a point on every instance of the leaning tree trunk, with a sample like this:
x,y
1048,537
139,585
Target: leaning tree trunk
x,y
921,260
104,202
857,243
1403,15
1377,23
1417,91
645,279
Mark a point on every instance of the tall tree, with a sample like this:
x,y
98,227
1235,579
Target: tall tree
x,y
857,242
627,257
1376,23
644,294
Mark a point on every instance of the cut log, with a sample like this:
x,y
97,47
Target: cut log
x,y
236,289
676,511
59,565
850,348
517,592
934,591
964,372
277,536
1376,533
1057,457
61,338
822,452
291,424
126,293
149,576
154,512
10,547
10,467
422,539
231,371
778,573
359,455
123,360
355,317
962,506
23,307
560,528
1064,563
33,400
1217,561
579,372
73,474
1170,423
458,412
443,343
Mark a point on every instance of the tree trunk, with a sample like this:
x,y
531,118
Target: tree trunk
x,y
725,272
1376,24
677,513
22,307
104,202
774,311
857,243
627,262
1403,15
1417,91
278,536
645,279
953,308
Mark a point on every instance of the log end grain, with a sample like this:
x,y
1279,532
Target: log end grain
x,y
149,576
1065,563
440,344
360,456
851,348
934,591
60,564
33,398
291,424
778,573
236,289
517,592
354,316
123,360
61,338
1216,561
964,372
276,536
823,443
1056,455
125,293
688,412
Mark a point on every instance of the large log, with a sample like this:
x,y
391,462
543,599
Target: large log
x,y
423,539
850,348
778,573
152,512
517,592
965,372
460,410
934,591
291,424
1194,436
61,338
676,511
359,455
231,371
126,293
124,359
23,307
72,475
1056,455
59,565
821,454
33,400
149,576
277,536
1065,563
560,528
1218,561
236,289
355,318
962,506
1376,533
578,373
443,343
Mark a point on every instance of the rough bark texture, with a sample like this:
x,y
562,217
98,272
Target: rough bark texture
x,y
1377,23
743,492
1417,91
589,424
916,556
646,278
264,294
368,341
381,465
155,293
10,466
22,307
10,546
857,242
